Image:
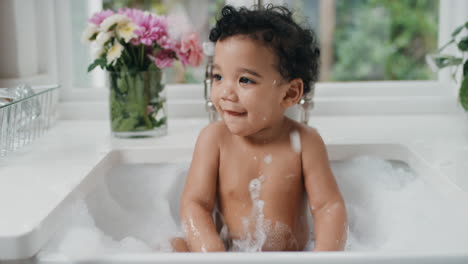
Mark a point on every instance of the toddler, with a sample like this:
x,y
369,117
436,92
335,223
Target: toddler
x,y
255,166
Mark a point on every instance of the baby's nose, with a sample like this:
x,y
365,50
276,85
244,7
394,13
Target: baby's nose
x,y
229,92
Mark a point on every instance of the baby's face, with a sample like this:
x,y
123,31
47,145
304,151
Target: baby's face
x,y
247,88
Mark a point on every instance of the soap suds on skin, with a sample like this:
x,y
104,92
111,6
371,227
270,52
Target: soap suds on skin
x,y
268,158
253,241
193,228
295,138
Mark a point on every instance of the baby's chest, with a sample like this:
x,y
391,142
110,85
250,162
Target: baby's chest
x,y
246,176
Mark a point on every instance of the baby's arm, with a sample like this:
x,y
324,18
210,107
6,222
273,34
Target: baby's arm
x,y
199,196
325,200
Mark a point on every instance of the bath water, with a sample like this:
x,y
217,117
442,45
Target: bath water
x,y
135,208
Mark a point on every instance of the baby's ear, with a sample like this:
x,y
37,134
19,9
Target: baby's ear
x,y
293,93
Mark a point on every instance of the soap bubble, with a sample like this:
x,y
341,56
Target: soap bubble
x,y
389,207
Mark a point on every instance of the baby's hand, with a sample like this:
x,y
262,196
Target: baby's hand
x,y
179,245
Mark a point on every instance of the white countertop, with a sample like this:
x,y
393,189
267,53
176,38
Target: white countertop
x,y
37,177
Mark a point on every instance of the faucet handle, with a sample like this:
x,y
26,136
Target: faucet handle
x,y
208,48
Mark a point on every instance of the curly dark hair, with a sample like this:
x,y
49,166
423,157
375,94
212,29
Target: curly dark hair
x,y
295,47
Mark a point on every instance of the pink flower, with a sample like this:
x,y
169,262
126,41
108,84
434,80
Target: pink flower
x,y
151,34
164,58
190,51
152,28
98,17
166,42
149,109
132,13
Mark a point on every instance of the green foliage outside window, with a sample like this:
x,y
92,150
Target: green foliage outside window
x,y
384,39
373,39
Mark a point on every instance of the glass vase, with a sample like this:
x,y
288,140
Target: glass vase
x,y
138,103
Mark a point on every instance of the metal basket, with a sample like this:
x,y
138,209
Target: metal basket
x,y
24,120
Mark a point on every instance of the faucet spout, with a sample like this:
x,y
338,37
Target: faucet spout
x,y
208,50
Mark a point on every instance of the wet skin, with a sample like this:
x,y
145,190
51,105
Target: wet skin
x,y
282,189
251,96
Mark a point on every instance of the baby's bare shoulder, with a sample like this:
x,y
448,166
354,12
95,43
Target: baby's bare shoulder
x,y
213,132
308,134
312,144
212,136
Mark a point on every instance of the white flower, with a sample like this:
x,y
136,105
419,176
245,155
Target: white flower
x,y
126,31
122,24
112,21
89,33
114,52
103,37
98,51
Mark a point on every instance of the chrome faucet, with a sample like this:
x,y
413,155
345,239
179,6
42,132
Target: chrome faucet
x,y
208,50
306,104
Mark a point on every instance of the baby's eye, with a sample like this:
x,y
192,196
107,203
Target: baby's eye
x,y
217,77
246,80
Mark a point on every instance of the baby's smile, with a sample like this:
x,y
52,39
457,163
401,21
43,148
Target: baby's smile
x,y
235,113
232,109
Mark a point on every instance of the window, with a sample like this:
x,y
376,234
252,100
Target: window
x,y
368,51
372,40
361,40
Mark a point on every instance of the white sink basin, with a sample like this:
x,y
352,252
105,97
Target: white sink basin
x,y
114,172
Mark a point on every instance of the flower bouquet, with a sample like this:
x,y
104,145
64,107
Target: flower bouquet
x,y
134,47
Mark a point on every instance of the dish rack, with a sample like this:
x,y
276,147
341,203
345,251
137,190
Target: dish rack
x,y
24,120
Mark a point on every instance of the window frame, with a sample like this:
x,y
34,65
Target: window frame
x,y
332,98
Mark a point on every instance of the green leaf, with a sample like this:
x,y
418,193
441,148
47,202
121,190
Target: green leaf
x,y
121,85
464,94
128,124
98,62
465,69
443,61
93,37
446,45
112,27
463,44
160,122
457,30
116,123
92,66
